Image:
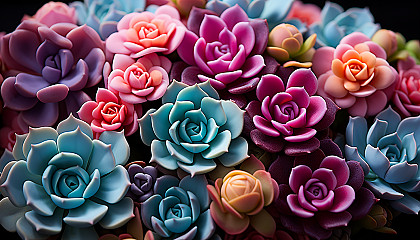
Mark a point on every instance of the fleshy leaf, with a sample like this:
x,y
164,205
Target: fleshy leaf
x,y
118,214
114,185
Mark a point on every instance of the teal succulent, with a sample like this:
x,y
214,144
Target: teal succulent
x,y
193,128
179,209
389,155
336,23
64,179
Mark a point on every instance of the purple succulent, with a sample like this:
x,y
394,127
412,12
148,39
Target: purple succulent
x,y
319,192
287,116
142,179
225,50
54,66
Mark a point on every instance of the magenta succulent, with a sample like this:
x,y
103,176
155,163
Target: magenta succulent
x,y
288,116
55,66
226,50
319,191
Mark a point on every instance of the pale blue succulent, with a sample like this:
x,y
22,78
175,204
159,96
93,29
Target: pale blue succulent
x,y
64,180
389,154
193,128
337,23
179,209
103,15
274,11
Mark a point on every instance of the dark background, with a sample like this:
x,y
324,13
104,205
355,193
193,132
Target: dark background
x,y
401,16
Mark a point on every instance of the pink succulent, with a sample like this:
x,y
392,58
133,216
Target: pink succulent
x,y
324,189
319,192
240,197
109,113
288,116
355,75
225,50
139,81
143,33
407,93
54,12
305,12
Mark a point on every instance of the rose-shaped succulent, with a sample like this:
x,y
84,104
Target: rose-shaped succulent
x,y
142,179
288,118
274,11
319,192
407,92
239,199
389,155
285,43
179,209
355,75
103,15
55,66
192,128
139,81
109,113
225,50
52,13
143,33
62,178
336,23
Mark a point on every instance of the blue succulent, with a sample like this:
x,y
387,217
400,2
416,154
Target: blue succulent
x,y
103,15
64,179
389,154
179,209
337,23
192,128
275,11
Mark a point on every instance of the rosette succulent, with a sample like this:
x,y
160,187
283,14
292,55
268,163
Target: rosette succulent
x,y
139,81
179,209
274,11
143,33
319,192
288,117
109,113
388,152
142,179
407,92
336,23
54,12
355,75
225,50
286,45
239,199
64,179
55,66
103,15
193,128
